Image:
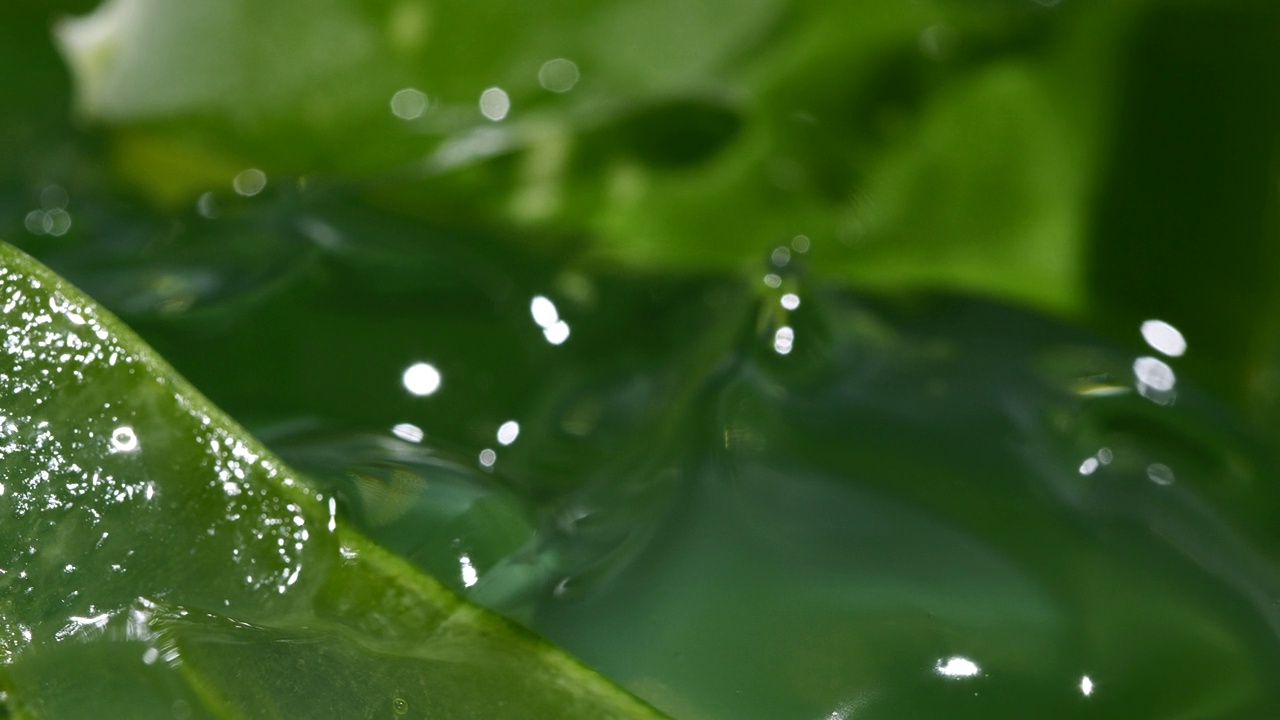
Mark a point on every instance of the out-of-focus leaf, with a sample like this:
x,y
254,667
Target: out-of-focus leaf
x,y
148,537
912,146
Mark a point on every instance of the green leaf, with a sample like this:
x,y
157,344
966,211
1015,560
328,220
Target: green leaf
x,y
158,561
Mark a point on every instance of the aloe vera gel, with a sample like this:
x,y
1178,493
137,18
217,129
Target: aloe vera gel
x,y
852,506
781,359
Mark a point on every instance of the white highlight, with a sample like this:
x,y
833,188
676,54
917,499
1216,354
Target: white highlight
x,y
1164,337
1154,373
783,339
469,574
488,457
1088,466
408,431
421,379
543,311
790,301
123,439
957,667
1086,686
508,432
557,333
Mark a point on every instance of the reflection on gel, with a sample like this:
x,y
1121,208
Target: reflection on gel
x,y
783,339
1164,337
558,75
123,439
408,432
1154,373
421,379
408,104
469,574
957,667
508,432
495,103
249,182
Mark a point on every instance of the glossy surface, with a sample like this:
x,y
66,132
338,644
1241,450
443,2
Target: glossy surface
x,y
159,561
852,506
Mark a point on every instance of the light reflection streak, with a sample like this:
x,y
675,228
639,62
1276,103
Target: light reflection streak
x,y
408,432
1086,686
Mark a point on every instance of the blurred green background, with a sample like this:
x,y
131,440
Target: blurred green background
x,y
1108,162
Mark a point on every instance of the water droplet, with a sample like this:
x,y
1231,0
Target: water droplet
x,y
408,104
557,333
957,667
508,432
1154,373
53,197
207,206
558,75
1086,686
400,706
544,311
1160,474
421,379
123,439
249,182
495,103
783,339
408,431
1164,337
